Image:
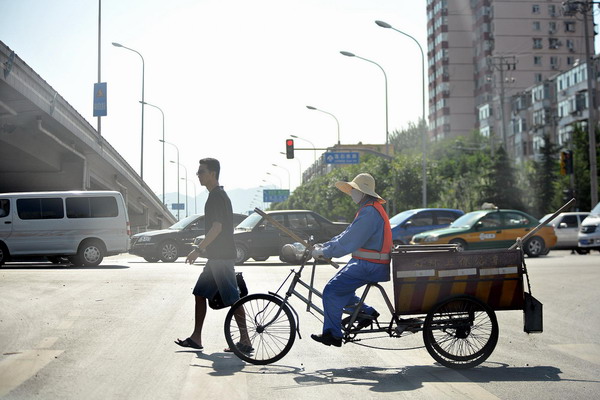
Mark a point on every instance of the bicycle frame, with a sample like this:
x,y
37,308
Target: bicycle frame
x,y
354,315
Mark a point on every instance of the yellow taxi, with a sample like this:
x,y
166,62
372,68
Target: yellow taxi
x,y
491,229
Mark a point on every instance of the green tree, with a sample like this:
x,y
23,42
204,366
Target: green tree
x,y
544,178
501,188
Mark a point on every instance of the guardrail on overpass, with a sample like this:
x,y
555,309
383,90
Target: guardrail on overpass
x,y
45,144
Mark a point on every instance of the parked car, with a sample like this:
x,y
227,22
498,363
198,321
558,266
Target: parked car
x,y
410,222
79,226
176,241
256,238
490,229
589,235
566,226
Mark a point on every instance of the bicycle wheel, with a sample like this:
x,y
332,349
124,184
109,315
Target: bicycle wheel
x,y
461,332
270,325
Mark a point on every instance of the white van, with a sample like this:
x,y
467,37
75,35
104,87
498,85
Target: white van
x,y
589,235
81,226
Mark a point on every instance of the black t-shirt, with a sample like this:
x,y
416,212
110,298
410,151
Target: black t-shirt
x,y
218,209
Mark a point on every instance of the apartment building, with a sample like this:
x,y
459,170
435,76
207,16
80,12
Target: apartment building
x,y
484,52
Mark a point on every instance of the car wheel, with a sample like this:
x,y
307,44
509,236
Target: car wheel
x,y
534,246
241,254
582,251
151,259
168,252
89,254
3,254
461,244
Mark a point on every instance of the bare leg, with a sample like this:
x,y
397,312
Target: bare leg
x,y
240,318
199,319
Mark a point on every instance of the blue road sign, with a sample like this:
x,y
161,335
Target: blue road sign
x,y
178,206
100,103
347,157
275,195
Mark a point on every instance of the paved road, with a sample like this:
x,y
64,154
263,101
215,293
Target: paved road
x,y
107,332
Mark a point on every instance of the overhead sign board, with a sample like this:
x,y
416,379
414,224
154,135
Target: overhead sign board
x,y
178,206
275,195
347,157
100,103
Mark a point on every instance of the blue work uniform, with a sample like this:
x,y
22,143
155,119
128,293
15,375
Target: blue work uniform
x,y
365,232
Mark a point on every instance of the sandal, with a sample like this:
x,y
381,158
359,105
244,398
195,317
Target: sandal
x,y
188,343
244,348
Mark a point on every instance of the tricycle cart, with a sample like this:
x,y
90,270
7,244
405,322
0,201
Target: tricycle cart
x,y
449,296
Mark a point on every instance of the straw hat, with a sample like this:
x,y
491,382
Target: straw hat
x,y
363,183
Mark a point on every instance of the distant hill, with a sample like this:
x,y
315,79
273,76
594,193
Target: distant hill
x,y
243,201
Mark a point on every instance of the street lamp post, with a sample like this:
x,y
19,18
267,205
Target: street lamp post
x,y
142,141
176,148
336,120
570,8
163,147
348,54
186,185
308,141
299,167
288,172
276,176
423,138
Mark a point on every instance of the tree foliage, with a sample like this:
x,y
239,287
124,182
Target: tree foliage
x,y
461,173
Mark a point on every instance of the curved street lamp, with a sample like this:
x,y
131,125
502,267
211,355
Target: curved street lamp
x,y
176,148
163,146
423,139
142,145
348,54
336,120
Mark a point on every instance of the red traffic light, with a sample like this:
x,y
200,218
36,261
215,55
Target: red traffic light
x,y
289,148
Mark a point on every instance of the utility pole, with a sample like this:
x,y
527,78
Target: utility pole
x,y
501,64
571,8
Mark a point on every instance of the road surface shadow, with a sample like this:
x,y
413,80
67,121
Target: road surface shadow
x,y
413,377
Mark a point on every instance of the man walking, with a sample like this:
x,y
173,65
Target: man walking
x,y
218,247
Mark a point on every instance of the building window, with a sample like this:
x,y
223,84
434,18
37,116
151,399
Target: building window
x,y
554,61
535,9
552,10
569,26
537,60
538,78
553,43
537,25
570,60
537,43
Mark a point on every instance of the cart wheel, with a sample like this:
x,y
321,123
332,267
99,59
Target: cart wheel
x,y
461,332
271,327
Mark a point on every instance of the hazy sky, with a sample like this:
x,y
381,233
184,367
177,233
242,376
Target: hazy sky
x,y
233,77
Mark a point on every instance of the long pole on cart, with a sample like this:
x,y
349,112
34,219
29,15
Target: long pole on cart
x,y
289,232
532,232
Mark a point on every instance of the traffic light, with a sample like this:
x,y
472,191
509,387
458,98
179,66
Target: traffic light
x,y
289,148
569,162
568,194
566,162
563,163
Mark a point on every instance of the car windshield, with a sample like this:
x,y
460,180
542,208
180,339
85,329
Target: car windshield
x,y
183,223
596,210
467,220
398,218
249,223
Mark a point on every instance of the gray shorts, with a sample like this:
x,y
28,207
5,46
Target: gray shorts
x,y
218,275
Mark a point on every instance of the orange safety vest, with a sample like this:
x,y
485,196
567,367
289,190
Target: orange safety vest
x,y
383,255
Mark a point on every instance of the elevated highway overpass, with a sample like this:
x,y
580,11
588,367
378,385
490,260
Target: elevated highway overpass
x,y
45,144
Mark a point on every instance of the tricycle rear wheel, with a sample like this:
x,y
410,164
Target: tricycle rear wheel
x,y
460,332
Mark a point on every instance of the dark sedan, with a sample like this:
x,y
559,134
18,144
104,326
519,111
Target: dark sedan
x,y
176,241
258,239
